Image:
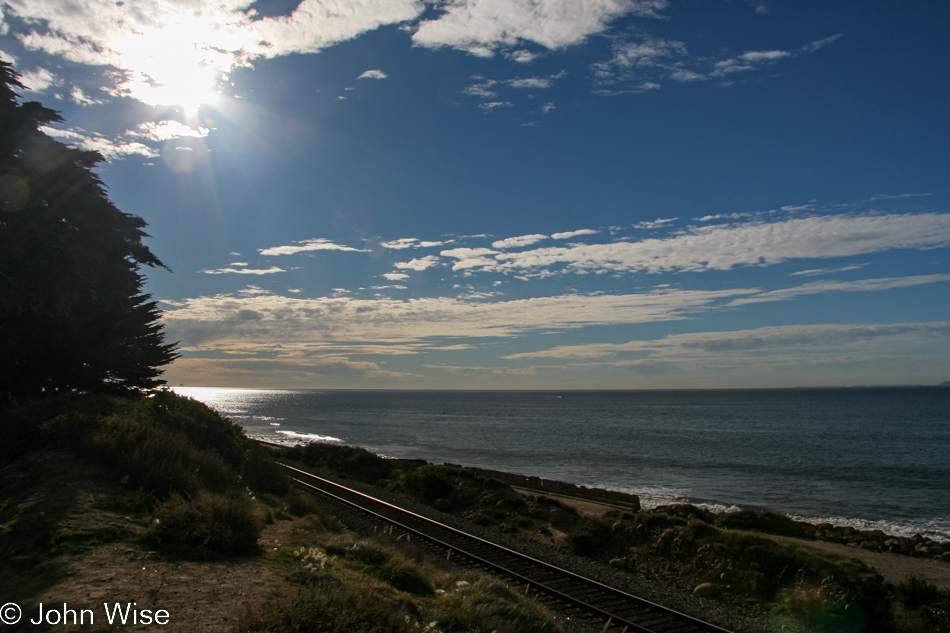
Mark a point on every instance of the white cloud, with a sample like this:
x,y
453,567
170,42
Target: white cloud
x,y
401,243
257,319
108,148
630,59
530,82
420,263
827,271
167,130
684,75
522,56
815,338
570,234
482,26
244,271
763,56
39,80
482,90
373,74
395,276
654,224
412,242
470,257
723,216
519,242
722,247
167,47
814,46
863,285
81,98
492,105
304,246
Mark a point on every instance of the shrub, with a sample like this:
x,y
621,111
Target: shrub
x,y
766,522
354,462
67,429
916,592
588,537
331,607
405,576
430,482
200,424
487,605
212,523
160,461
261,472
816,609
301,504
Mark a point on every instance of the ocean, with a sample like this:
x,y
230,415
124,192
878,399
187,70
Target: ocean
x,y
871,458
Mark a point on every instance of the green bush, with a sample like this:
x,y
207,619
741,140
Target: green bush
x,y
354,462
209,523
487,605
916,592
203,427
430,482
159,461
588,537
766,522
405,576
66,429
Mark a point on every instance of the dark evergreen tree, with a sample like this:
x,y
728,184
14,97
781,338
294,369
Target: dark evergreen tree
x,y
72,312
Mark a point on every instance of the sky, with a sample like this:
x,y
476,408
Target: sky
x,y
521,194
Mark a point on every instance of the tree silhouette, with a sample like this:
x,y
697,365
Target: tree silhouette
x,y
72,312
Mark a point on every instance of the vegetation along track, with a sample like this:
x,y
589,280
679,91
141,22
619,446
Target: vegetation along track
x,y
620,611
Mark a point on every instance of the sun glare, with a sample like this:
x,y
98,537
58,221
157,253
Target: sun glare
x,y
172,67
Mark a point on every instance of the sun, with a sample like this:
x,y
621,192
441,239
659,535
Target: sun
x,y
168,68
189,88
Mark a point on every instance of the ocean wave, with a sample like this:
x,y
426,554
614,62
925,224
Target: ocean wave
x,y
652,497
309,437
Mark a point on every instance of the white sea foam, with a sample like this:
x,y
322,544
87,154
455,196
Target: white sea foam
x,y
309,437
655,496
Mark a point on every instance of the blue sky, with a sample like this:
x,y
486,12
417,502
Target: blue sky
x,y
521,194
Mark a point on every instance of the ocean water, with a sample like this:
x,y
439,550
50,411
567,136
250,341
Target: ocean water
x,y
872,458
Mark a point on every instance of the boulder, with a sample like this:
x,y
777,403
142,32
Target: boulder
x,y
706,590
442,504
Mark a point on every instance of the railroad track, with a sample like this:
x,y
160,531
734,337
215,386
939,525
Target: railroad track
x,y
619,611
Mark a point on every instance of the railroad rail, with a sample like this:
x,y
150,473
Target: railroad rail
x,y
621,612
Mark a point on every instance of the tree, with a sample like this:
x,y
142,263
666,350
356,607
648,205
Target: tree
x,y
72,312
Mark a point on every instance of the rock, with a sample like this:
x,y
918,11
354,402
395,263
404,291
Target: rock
x,y
442,504
620,563
665,540
871,545
706,590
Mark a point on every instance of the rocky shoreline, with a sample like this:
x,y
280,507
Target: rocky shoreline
x,y
871,540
